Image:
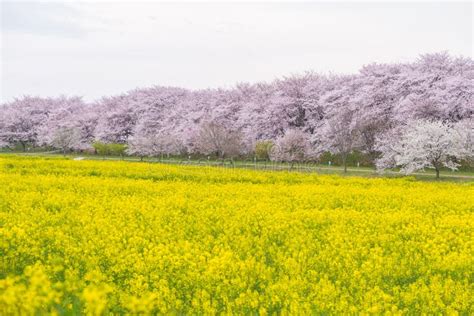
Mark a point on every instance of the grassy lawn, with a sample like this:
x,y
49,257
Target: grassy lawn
x,y
427,175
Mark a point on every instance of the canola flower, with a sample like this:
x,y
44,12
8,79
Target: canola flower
x,y
98,238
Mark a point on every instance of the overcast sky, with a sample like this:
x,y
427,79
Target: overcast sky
x,y
92,49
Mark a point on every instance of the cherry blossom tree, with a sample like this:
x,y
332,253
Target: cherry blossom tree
x,y
423,144
338,113
153,145
68,126
214,138
292,147
139,146
375,100
117,119
339,131
466,129
66,138
435,87
21,119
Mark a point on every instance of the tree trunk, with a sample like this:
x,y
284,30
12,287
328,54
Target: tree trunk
x,y
344,161
437,173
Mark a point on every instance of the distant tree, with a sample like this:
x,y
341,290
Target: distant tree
x,y
422,144
66,139
340,113
118,116
3,141
214,138
67,126
375,97
21,119
338,132
342,136
466,129
435,87
292,147
139,146
153,145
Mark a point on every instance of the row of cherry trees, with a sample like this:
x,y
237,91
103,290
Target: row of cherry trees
x,y
302,115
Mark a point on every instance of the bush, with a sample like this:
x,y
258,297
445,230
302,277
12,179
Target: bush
x,y
112,149
263,149
117,149
100,148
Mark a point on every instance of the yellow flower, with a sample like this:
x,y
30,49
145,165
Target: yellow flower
x,y
102,237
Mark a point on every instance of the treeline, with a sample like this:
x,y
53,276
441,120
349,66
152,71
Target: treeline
x,y
300,117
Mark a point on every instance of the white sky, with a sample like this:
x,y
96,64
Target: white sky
x,y
96,49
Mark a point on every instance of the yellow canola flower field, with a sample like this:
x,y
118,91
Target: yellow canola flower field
x,y
98,237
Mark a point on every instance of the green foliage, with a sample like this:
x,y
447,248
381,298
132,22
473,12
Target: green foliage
x,y
113,149
100,148
117,149
353,158
263,148
466,165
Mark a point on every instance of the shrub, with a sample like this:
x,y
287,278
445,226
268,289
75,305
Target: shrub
x,y
112,149
263,149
